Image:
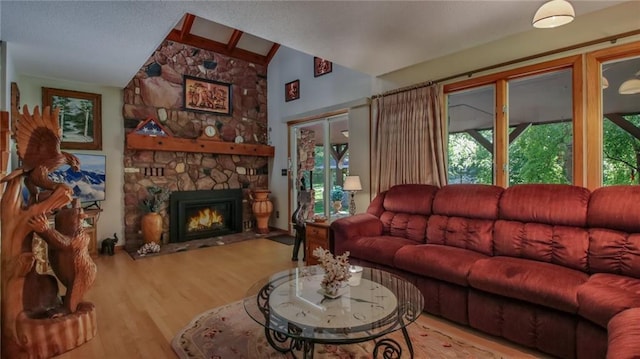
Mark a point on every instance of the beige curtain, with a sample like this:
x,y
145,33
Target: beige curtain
x,y
409,139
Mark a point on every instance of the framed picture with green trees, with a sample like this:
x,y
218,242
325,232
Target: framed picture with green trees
x,y
79,117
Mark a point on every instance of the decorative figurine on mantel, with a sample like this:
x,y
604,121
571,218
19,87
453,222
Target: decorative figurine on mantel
x,y
36,322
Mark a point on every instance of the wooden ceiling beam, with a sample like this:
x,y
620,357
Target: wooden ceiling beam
x,y
186,25
272,52
212,45
233,41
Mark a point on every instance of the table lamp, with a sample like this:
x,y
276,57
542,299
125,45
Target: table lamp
x,y
352,184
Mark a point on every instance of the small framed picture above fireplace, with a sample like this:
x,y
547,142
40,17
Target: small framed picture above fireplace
x,y
204,95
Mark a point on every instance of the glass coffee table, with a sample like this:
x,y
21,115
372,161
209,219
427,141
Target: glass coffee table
x,y
296,315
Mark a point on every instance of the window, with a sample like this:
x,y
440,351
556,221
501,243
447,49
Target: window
x,y
540,128
470,148
524,120
621,124
612,126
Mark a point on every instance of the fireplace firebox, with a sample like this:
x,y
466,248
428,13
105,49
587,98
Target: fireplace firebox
x,y
204,214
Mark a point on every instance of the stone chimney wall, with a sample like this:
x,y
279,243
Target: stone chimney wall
x,y
156,91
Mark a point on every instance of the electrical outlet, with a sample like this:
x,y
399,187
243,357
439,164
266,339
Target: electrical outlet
x,y
277,214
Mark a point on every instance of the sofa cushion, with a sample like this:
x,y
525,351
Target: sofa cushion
x,y
615,252
379,249
615,207
566,246
624,335
468,200
471,234
409,226
449,264
406,209
553,204
531,281
410,198
605,295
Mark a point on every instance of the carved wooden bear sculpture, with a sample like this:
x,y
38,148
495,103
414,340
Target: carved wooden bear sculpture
x,y
68,253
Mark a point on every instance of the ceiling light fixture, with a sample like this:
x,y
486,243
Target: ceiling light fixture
x,y
553,13
631,86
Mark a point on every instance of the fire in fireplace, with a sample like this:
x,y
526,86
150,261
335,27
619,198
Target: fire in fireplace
x,y
204,214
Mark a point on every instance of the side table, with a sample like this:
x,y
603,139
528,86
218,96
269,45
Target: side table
x,y
317,235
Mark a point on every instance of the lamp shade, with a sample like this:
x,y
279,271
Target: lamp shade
x,y
352,183
553,13
631,86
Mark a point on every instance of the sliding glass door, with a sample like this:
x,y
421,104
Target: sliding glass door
x,y
320,162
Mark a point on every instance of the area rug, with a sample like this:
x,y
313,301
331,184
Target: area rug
x,y
284,239
229,333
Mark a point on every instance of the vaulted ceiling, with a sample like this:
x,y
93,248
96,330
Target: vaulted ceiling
x,y
106,42
208,35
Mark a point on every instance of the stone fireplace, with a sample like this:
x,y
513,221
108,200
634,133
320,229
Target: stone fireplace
x,y
204,214
198,165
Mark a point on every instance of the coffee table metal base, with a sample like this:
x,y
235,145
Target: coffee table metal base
x,y
391,349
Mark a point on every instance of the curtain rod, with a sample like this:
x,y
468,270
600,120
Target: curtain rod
x,y
612,38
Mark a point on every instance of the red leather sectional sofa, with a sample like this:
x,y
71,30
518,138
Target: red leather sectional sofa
x,y
551,267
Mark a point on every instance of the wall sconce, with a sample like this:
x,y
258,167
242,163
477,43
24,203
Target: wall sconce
x,y
553,13
345,133
352,185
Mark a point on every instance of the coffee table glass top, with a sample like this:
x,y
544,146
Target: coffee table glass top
x,y
291,302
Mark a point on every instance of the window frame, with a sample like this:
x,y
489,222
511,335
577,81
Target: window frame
x,y
501,124
594,116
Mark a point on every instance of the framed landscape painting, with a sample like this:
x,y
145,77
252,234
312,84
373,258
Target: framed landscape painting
x,y
79,117
204,95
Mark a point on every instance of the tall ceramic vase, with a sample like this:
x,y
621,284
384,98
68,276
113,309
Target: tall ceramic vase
x,y
151,224
262,208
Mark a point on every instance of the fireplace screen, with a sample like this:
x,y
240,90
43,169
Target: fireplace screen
x,y
204,214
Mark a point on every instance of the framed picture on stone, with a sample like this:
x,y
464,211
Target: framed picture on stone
x,y
80,117
204,95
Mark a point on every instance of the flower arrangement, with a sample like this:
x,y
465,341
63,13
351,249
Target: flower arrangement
x,y
336,269
157,196
147,248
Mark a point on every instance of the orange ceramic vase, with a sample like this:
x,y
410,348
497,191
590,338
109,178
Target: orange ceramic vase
x,y
262,208
151,224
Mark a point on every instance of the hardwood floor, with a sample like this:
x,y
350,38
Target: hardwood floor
x,y
141,304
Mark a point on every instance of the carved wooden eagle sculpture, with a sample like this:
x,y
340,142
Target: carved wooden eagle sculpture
x,y
38,143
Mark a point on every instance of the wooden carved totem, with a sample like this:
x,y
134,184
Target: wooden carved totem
x,y
37,322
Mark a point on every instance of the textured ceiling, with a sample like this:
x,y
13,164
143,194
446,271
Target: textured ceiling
x,y
106,42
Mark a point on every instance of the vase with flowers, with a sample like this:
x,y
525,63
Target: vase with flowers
x,y
151,221
336,270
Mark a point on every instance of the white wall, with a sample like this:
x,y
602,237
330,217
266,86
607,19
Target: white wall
x,y
341,89
112,217
7,76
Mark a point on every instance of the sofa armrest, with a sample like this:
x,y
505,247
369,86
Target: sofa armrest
x,y
351,228
624,335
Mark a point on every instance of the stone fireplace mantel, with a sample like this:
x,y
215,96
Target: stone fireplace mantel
x,y
143,142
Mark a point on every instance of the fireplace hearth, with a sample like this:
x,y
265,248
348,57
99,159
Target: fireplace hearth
x,y
204,214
